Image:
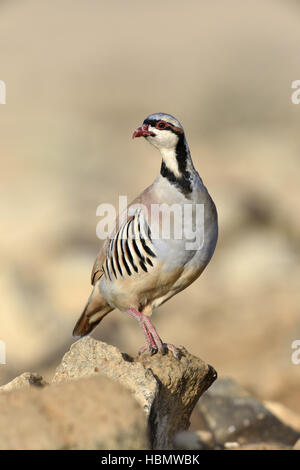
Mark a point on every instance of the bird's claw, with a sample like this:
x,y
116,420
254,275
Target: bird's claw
x,y
183,349
164,349
173,349
150,349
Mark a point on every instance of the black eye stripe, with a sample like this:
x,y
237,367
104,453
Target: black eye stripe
x,y
150,122
153,123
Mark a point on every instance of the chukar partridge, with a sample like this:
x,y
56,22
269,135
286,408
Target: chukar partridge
x,y
138,267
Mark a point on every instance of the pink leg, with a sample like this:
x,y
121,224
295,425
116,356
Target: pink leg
x,y
150,327
148,336
163,347
151,346
154,342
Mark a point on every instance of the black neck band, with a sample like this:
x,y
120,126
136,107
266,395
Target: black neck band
x,y
183,181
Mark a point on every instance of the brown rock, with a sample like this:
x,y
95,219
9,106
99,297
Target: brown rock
x,y
233,415
91,413
26,379
198,440
259,446
181,383
297,445
287,416
167,388
88,357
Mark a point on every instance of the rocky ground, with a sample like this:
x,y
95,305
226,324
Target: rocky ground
x,y
100,398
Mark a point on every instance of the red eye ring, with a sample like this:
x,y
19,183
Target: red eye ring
x,y
161,125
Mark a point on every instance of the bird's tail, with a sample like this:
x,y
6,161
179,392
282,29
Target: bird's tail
x,y
95,310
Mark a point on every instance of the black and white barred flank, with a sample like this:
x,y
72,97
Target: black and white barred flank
x,y
130,250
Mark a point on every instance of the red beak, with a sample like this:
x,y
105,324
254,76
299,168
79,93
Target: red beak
x,y
142,132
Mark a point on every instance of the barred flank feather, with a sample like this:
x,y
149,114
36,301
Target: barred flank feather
x,y
130,250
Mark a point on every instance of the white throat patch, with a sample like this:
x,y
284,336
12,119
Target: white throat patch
x,y
165,142
169,157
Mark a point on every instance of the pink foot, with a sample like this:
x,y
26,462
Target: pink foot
x,y
154,342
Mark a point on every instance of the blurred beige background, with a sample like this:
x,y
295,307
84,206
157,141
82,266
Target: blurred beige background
x,y
80,77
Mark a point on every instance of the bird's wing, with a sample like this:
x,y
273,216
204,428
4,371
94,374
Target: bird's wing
x,y
131,250
115,240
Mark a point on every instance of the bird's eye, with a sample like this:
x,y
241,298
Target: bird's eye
x,y
161,125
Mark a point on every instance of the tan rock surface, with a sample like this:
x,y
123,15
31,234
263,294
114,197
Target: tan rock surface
x,y
88,357
166,388
27,379
91,413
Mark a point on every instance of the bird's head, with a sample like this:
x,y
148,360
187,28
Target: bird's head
x,y
161,130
